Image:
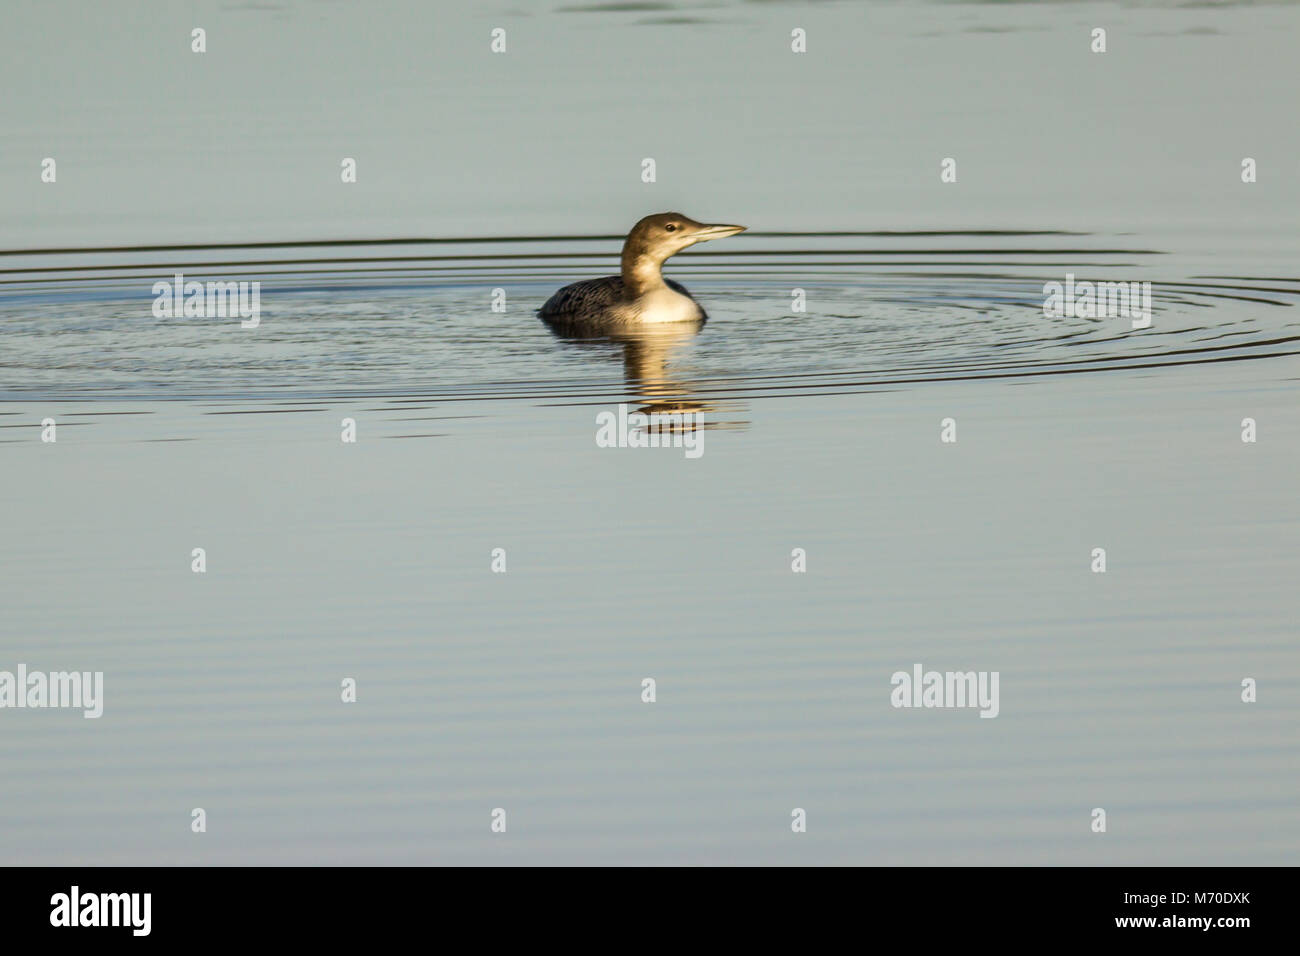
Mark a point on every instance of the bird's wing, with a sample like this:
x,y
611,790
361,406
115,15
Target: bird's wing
x,y
591,295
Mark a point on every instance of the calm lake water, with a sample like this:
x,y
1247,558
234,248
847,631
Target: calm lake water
x,y
485,177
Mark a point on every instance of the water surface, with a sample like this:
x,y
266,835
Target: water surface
x,y
476,431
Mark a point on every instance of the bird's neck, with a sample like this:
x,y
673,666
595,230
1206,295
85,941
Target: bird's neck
x,y
642,270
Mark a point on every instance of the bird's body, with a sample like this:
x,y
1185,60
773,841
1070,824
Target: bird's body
x,y
608,297
639,296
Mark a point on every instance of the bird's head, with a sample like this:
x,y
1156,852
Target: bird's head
x,y
667,233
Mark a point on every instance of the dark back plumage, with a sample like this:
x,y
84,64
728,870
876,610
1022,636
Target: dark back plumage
x,y
591,295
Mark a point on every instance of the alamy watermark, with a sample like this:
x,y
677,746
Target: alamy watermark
x,y
212,300
38,689
626,429
75,908
1085,299
922,688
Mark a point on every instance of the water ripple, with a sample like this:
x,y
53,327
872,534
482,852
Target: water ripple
x,y
353,318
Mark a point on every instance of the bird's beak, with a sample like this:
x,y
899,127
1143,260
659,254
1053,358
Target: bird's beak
x,y
705,233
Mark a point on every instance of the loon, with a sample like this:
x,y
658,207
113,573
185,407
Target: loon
x,y
640,295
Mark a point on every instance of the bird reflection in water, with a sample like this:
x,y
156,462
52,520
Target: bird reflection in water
x,y
649,354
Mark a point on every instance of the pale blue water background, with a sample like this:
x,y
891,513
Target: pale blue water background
x,y
522,690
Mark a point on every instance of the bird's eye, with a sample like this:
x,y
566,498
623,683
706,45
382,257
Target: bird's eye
x,y
671,227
